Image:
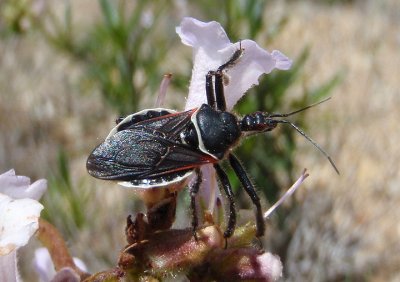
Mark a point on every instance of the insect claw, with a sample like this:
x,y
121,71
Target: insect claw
x,y
196,238
259,243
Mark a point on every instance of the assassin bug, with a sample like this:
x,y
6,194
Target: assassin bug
x,y
160,147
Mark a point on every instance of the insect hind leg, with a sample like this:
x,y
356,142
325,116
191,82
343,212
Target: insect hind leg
x,y
249,188
229,193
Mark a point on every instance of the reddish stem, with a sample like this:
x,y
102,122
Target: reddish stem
x,y
52,239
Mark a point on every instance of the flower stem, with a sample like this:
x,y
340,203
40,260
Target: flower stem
x,y
52,239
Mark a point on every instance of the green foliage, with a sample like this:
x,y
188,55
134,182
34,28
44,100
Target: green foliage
x,y
270,156
65,201
336,2
122,52
16,17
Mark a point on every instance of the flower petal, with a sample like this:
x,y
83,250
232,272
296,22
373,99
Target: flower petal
x,y
270,266
19,220
8,267
209,187
247,264
254,62
43,265
212,48
282,62
19,187
197,34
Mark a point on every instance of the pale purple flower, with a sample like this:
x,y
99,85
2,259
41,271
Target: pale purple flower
x,y
19,218
44,266
246,264
269,266
20,187
212,48
8,267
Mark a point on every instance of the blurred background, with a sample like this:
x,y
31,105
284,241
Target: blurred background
x,y
68,69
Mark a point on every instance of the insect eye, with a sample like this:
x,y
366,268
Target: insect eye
x,y
272,123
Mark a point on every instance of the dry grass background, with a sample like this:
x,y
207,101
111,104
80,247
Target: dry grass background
x,y
349,225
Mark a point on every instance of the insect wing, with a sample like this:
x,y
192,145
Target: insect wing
x,y
142,157
133,119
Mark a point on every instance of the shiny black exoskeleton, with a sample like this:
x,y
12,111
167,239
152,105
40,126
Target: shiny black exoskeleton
x,y
160,147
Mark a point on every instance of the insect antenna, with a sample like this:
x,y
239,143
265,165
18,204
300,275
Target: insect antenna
x,y
300,110
310,139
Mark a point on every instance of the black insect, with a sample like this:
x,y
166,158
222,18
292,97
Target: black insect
x,y
161,147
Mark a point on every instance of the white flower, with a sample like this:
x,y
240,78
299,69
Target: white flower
x,y
212,48
19,218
